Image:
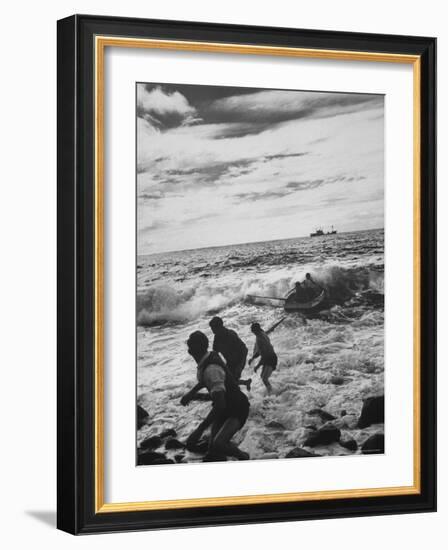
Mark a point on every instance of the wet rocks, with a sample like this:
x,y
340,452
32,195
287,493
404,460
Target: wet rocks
x,y
323,436
153,458
163,461
214,458
168,433
142,416
173,443
349,444
323,415
372,411
151,443
200,447
349,421
298,452
374,444
273,424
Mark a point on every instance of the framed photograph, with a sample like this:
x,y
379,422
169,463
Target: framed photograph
x,y
246,274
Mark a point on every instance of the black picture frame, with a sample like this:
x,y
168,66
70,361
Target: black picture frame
x,y
76,289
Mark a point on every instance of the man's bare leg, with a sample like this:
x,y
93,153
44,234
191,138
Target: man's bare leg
x,y
265,374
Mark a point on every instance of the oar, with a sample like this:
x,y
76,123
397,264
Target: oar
x,y
275,325
266,297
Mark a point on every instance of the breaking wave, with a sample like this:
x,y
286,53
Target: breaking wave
x,y
165,303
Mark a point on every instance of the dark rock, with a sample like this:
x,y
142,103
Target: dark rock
x,y
163,461
142,416
337,380
151,443
150,457
374,444
173,443
311,427
372,411
298,452
214,458
323,436
349,444
275,425
179,457
324,416
200,447
168,433
343,412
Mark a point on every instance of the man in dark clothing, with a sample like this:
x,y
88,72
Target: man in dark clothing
x,y
230,407
232,348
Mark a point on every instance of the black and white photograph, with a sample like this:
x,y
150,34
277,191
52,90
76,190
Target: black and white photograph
x,y
260,273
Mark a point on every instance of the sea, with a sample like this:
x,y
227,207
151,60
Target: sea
x,y
331,360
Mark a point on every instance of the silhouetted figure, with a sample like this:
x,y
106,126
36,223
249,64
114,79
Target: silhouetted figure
x,y
232,348
230,406
264,349
311,288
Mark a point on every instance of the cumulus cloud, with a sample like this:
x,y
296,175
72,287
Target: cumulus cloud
x,y
164,109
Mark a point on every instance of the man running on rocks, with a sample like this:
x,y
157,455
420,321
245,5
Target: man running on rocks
x,y
230,406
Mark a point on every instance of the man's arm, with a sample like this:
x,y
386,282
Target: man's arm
x,y
256,352
189,395
258,366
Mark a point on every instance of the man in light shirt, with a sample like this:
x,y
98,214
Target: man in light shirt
x,y
230,407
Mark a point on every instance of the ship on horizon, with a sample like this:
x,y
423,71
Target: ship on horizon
x,y
319,232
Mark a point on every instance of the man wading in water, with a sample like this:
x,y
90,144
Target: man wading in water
x,y
230,406
264,349
232,348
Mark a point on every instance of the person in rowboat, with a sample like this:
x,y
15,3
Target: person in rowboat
x,y
311,288
264,349
232,348
300,292
230,406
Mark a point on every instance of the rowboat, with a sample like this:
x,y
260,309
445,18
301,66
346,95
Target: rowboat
x,y
290,302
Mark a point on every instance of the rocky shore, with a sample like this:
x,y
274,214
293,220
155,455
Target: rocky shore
x,y
324,431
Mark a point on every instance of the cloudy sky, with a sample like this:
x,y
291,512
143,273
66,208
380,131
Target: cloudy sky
x,y
222,165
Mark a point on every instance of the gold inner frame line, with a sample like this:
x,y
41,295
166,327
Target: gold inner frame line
x,y
101,42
